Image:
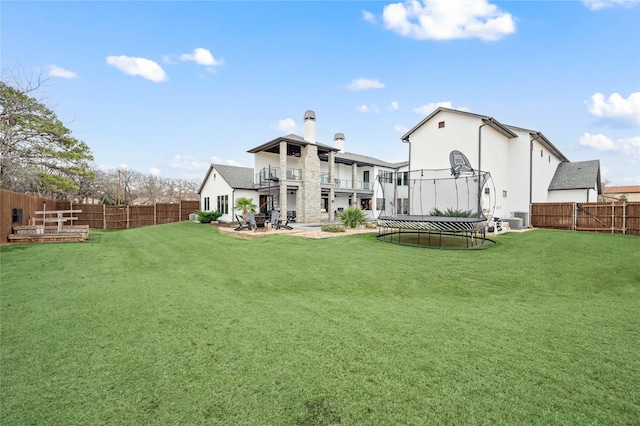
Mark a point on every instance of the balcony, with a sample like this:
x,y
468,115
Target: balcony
x,y
346,184
269,176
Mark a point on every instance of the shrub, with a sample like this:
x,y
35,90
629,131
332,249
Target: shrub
x,y
208,217
332,228
371,225
451,212
352,216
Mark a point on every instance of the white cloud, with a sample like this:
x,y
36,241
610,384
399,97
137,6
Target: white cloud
x,y
616,108
448,19
364,84
123,166
430,107
143,67
362,108
603,4
218,160
153,171
186,162
56,71
400,129
202,56
629,147
368,16
286,125
394,106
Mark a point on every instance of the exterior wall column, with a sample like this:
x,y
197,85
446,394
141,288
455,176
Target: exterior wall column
x,y
283,180
332,191
354,176
309,208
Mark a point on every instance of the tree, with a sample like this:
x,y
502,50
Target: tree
x,y
38,154
246,205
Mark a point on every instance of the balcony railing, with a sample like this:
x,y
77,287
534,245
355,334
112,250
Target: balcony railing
x,y
267,176
345,183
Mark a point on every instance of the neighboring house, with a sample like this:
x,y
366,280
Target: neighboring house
x,y
525,166
309,180
629,193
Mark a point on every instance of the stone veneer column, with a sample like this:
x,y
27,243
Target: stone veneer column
x,y
332,191
309,208
283,180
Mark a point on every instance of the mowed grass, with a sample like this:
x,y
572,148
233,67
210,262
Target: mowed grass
x,y
178,324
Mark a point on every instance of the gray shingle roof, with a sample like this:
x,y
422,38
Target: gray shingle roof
x,y
236,177
578,175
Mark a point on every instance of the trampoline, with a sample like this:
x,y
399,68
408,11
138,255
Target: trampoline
x,y
440,208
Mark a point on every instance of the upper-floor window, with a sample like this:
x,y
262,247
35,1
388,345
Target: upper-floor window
x,y
440,124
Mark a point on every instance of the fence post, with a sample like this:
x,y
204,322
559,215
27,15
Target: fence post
x,y
127,216
574,221
624,217
613,217
155,213
104,216
179,210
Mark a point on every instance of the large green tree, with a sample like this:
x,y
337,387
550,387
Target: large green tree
x,y
38,154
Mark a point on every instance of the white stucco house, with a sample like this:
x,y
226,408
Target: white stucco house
x,y
309,180
525,166
313,181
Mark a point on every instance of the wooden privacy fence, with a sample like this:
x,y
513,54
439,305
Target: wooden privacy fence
x,y
614,218
20,209
123,217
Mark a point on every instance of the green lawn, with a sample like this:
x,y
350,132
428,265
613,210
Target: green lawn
x,y
177,324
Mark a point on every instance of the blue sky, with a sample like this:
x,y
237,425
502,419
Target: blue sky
x,y
170,87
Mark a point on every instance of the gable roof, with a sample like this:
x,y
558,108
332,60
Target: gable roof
x,y
504,129
490,121
236,177
578,175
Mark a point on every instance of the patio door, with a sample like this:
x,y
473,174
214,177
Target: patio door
x,y
266,204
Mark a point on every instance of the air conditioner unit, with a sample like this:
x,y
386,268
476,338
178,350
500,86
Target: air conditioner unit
x,y
524,216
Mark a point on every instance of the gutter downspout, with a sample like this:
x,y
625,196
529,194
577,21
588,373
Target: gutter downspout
x,y
480,165
408,177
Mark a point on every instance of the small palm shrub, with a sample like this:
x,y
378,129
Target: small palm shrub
x,y
352,216
208,217
332,228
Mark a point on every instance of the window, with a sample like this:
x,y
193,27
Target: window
x,y
402,178
486,191
379,204
324,204
223,204
549,158
441,125
504,194
206,204
385,176
365,176
541,153
365,204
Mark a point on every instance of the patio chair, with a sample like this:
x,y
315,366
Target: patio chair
x,y
260,221
276,222
240,226
250,223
